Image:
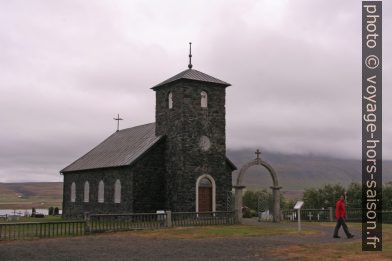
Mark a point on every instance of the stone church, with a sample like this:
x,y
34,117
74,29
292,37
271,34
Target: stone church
x,y
178,163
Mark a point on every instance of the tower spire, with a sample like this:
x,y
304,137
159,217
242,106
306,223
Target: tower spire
x,y
190,55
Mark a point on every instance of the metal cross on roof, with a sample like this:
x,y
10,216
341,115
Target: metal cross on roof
x,y
118,119
258,152
190,56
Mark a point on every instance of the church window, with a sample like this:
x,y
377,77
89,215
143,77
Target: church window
x,y
101,192
203,96
117,191
206,183
86,192
73,192
170,100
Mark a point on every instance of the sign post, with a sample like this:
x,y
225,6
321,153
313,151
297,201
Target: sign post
x,y
298,207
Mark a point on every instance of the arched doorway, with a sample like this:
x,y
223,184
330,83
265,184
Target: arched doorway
x,y
205,194
275,188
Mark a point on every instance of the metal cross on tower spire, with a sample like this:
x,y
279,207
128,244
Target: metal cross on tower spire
x,y
118,119
190,56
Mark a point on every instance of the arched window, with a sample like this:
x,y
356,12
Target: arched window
x,y
117,191
205,183
101,192
73,192
86,192
204,99
170,100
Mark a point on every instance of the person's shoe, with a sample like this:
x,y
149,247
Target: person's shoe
x,y
336,236
350,236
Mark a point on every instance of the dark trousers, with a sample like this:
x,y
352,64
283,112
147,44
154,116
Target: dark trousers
x,y
341,222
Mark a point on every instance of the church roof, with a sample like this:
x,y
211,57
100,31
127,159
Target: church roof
x,y
191,74
120,149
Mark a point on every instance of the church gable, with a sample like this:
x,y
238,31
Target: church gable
x,y
122,148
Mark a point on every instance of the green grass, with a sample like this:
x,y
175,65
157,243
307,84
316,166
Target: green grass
x,y
340,250
220,231
38,195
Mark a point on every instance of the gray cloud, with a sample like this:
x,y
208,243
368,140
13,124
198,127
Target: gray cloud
x,y
68,67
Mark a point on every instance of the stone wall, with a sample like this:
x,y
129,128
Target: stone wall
x,y
142,187
165,177
183,126
109,177
149,181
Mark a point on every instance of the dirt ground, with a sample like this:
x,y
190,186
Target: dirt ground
x,y
130,246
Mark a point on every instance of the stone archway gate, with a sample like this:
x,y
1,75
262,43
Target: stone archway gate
x,y
275,188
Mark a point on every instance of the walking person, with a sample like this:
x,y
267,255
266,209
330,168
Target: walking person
x,y
341,216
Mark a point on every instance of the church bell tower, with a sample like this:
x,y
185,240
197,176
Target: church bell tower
x,y
190,113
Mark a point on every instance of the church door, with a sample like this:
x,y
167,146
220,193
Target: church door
x,y
205,195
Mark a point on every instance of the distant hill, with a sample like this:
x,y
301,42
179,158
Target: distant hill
x,y
297,172
31,194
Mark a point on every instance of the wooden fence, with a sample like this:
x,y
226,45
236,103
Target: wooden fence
x,y
121,222
353,214
29,230
95,223
182,219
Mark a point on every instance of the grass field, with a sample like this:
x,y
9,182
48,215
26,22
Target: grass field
x,y
62,228
307,249
218,232
29,195
345,250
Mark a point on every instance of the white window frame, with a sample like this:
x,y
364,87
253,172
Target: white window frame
x,y
204,99
73,191
117,191
86,195
170,100
101,192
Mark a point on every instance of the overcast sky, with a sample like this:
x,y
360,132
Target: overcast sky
x,y
68,67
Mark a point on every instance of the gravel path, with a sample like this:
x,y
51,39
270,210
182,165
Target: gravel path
x,y
124,246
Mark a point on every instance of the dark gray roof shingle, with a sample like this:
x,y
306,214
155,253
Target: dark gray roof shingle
x,y
191,74
121,148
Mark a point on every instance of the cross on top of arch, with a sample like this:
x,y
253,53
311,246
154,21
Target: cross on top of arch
x,y
258,152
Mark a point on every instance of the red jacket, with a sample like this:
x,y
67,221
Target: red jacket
x,y
340,209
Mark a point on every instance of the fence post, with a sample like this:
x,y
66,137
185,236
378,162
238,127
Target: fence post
x,y
87,222
330,214
169,218
236,219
